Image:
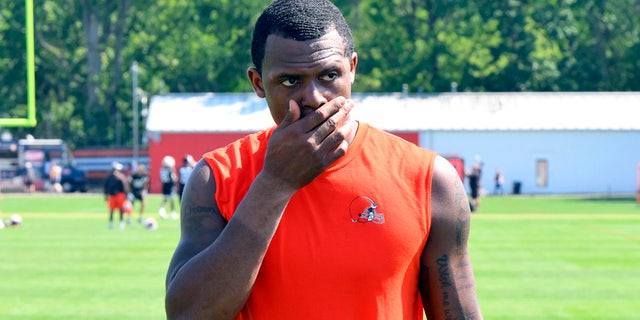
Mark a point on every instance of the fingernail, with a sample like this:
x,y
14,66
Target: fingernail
x,y
348,104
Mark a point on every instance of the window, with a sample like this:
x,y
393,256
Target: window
x,y
542,173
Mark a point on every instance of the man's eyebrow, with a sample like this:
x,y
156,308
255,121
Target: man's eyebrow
x,y
285,75
331,68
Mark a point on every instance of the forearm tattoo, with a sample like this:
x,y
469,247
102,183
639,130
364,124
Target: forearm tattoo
x,y
454,269
444,277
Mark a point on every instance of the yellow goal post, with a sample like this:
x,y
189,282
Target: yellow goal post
x,y
30,120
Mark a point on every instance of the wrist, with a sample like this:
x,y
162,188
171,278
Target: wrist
x,y
274,186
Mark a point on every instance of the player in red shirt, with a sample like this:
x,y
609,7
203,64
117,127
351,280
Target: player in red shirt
x,y
320,217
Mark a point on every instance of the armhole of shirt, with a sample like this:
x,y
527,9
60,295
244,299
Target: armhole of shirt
x,y
431,160
215,170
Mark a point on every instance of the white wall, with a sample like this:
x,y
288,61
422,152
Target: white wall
x,y
579,161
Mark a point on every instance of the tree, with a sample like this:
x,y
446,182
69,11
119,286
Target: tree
x,y
13,83
84,50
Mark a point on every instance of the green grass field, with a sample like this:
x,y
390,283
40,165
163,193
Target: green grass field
x,y
534,258
557,258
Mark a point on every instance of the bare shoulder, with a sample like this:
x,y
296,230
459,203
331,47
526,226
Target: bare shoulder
x,y
200,218
448,195
450,213
198,207
199,192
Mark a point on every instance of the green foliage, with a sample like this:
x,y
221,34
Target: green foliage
x,y
13,83
84,51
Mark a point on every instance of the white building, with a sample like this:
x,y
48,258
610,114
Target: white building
x,y
549,143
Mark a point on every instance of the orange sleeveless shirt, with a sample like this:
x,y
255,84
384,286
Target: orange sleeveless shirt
x,y
349,243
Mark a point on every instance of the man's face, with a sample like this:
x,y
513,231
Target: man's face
x,y
311,73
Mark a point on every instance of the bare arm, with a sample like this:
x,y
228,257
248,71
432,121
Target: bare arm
x,y
216,263
447,284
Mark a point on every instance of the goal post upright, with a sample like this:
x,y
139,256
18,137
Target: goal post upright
x,y
31,66
30,120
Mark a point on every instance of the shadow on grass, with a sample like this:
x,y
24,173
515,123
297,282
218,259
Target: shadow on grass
x,y
608,199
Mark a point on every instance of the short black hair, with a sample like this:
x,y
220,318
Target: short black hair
x,y
299,20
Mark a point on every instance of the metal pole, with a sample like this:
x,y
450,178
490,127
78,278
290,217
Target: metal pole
x,y
134,102
118,128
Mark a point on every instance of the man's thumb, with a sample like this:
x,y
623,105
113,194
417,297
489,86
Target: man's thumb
x,y
292,115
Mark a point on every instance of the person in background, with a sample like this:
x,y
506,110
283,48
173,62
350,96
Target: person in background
x,y
29,178
320,216
55,177
169,178
46,167
116,188
474,185
139,183
499,180
184,172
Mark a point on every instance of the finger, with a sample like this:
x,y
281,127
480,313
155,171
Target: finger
x,y
343,113
292,115
320,115
346,108
335,146
337,139
336,122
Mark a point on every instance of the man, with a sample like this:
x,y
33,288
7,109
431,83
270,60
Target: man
x,y
168,177
321,216
474,185
55,177
139,188
29,178
184,172
116,189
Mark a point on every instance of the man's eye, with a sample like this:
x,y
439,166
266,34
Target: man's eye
x,y
329,76
290,82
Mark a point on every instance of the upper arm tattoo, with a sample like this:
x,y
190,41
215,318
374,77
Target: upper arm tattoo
x,y
462,217
197,224
197,216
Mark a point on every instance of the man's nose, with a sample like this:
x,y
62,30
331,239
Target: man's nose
x,y
314,96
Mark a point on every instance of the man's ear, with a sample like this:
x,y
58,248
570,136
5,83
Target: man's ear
x,y
353,63
256,81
